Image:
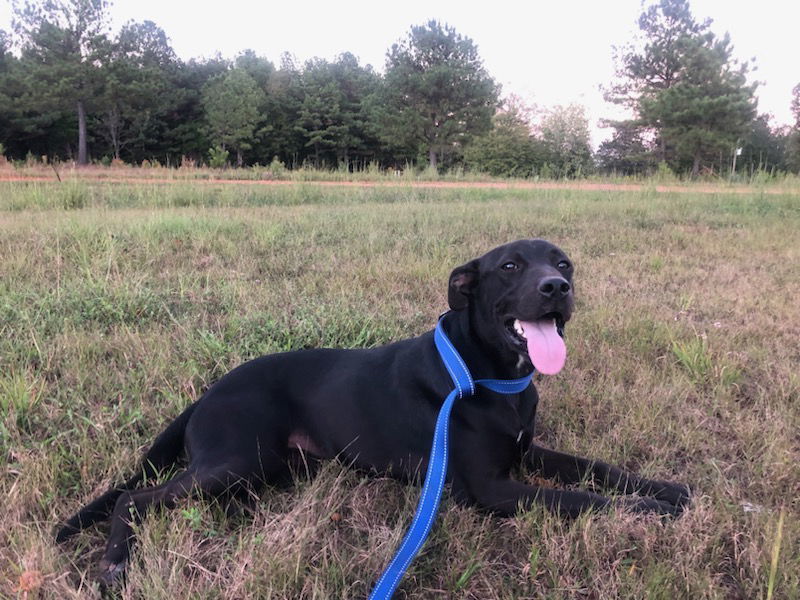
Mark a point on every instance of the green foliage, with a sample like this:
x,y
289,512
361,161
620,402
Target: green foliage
x,y
664,173
231,103
763,148
19,399
627,152
331,119
508,150
63,46
561,147
137,93
276,168
793,137
702,366
7,113
277,134
566,141
75,91
434,58
793,151
708,109
218,157
72,196
694,356
683,84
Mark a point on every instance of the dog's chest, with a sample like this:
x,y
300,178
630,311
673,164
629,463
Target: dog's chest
x,y
524,409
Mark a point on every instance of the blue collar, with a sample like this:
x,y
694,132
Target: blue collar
x,y
428,504
462,378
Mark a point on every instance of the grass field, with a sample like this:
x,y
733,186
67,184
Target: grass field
x,y
120,304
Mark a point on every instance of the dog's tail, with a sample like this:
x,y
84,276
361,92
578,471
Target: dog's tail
x,y
164,452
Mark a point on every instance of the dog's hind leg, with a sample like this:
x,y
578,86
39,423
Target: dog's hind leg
x,y
132,506
161,455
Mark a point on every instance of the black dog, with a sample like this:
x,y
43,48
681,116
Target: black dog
x,y
376,410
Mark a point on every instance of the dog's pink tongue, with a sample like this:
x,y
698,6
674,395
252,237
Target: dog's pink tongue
x,y
545,347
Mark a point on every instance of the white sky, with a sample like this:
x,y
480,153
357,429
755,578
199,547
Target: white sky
x,y
548,53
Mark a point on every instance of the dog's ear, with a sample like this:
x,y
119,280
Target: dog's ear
x,y
463,280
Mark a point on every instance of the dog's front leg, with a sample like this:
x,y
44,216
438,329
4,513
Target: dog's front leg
x,y
571,469
506,497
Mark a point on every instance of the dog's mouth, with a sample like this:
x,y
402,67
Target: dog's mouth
x,y
541,339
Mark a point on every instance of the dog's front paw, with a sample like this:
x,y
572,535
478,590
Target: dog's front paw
x,y
111,574
63,533
647,505
675,493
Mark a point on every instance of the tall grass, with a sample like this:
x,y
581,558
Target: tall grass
x,y
374,173
120,304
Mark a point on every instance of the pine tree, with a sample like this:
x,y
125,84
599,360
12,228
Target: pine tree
x,y
320,122
332,118
438,93
64,44
183,127
231,103
137,91
684,86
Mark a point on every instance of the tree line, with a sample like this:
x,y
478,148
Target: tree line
x,y
70,90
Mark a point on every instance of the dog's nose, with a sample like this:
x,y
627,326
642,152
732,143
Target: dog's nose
x,y
554,287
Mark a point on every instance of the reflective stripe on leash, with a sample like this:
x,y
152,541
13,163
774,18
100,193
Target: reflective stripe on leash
x,y
428,504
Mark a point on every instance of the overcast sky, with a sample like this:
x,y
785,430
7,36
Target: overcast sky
x,y
548,53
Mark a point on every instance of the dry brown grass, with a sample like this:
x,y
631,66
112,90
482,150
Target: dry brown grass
x,y
682,364
257,176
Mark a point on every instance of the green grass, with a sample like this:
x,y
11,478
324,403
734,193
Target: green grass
x,y
120,304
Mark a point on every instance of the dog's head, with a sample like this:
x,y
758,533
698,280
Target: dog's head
x,y
519,297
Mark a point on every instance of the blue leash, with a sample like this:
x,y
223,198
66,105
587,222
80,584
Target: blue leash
x,y
437,464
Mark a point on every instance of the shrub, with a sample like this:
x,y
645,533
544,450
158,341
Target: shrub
x,y
277,170
218,157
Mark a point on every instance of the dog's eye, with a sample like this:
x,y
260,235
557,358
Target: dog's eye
x,y
510,266
563,265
